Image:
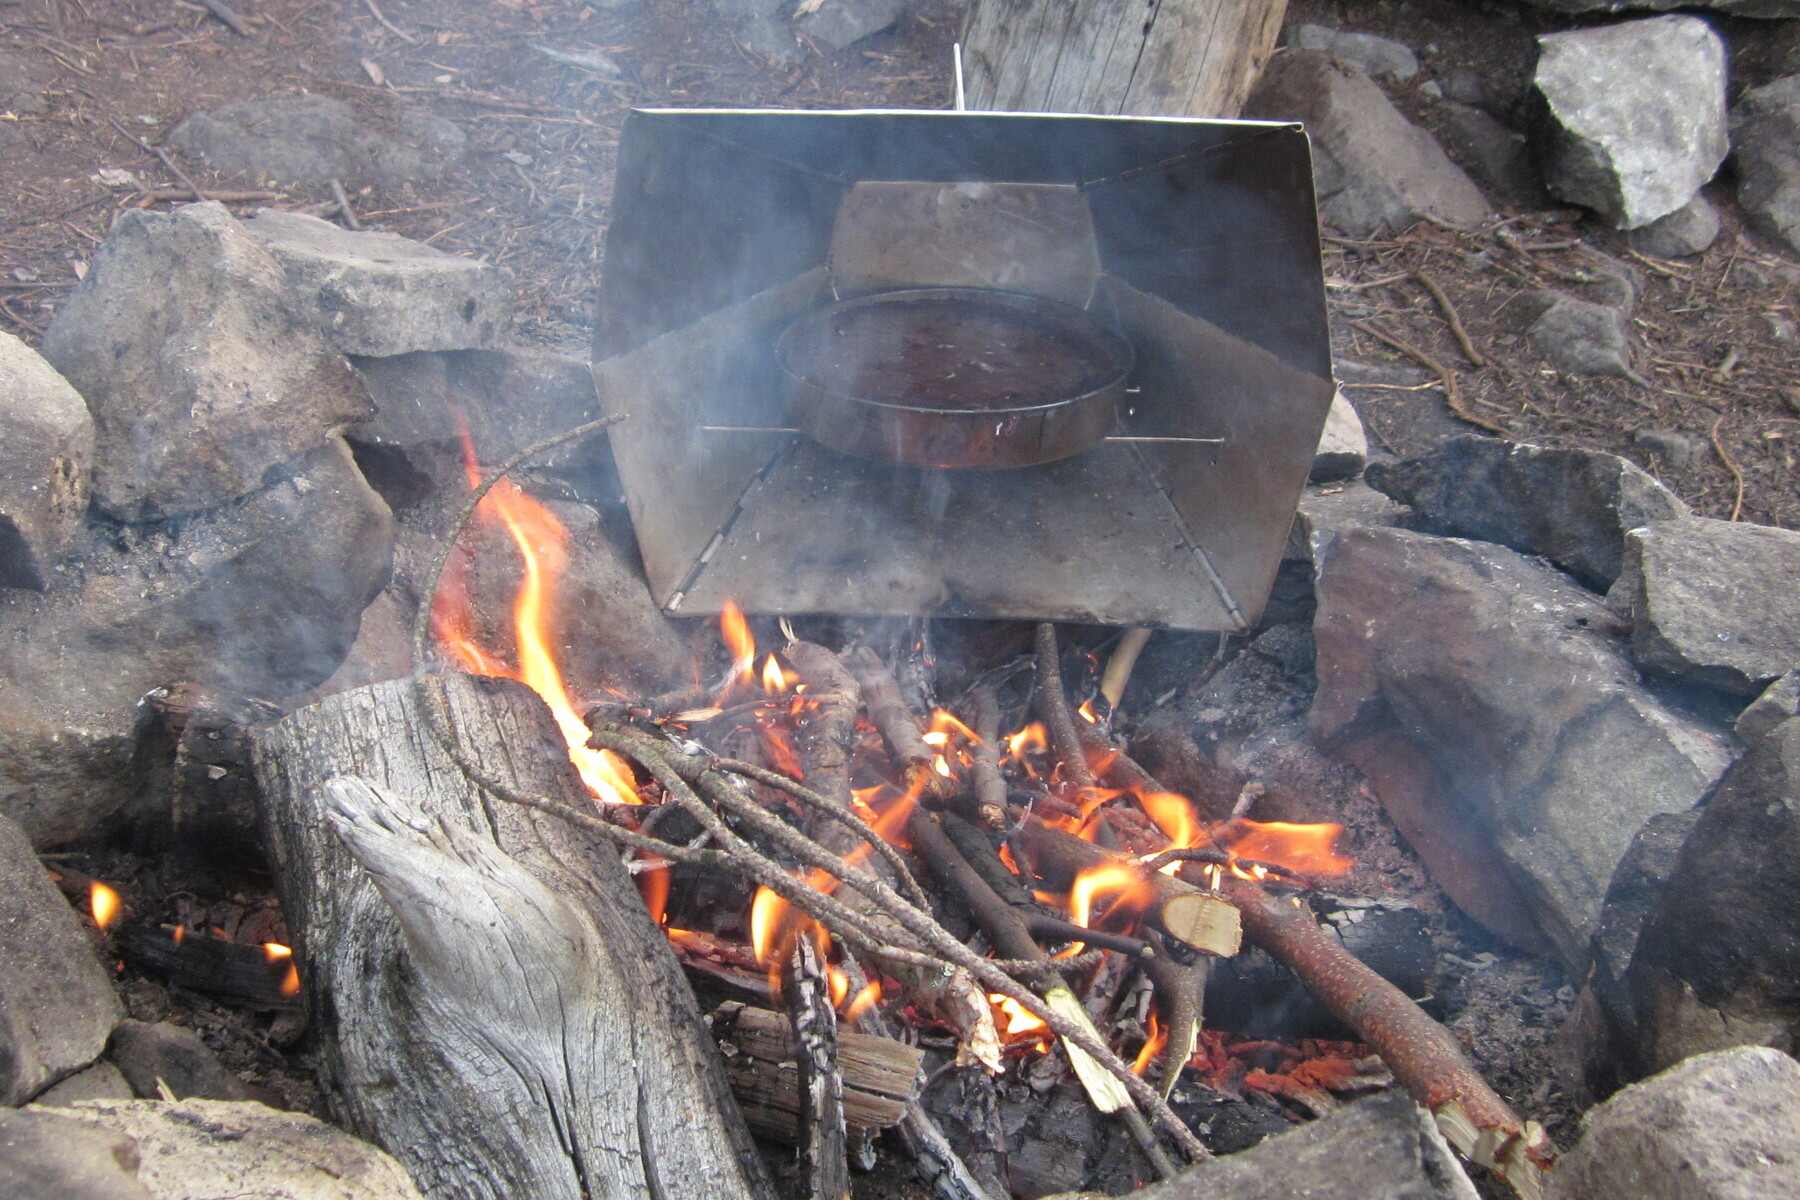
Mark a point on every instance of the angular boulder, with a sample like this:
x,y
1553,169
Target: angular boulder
x,y
46,451
1323,511
507,398
1688,230
1735,8
840,24
312,140
1712,603
155,1055
1374,169
1573,507
261,598
1778,702
1635,115
199,369
44,1155
1343,446
192,1148
1765,146
1576,336
1722,1126
57,1005
1715,965
1548,753
379,293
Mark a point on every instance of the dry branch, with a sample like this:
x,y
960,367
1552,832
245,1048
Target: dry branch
x,y
1053,706
1452,395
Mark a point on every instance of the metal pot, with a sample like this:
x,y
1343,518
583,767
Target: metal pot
x,y
953,377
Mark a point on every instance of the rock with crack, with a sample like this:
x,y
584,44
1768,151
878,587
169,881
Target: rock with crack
x,y
1688,230
46,450
56,1004
1546,751
1715,965
259,598
1765,146
1343,446
1722,1126
1374,169
1712,603
1635,115
312,140
840,24
200,371
1378,57
1574,507
240,1148
1779,702
379,293
1575,336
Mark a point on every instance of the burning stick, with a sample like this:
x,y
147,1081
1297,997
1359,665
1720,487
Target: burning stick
x,y
1053,705
1420,1052
990,786
821,1117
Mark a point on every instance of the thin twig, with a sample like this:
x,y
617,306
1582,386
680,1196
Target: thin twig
x,y
1053,704
158,151
1452,397
344,209
1452,318
219,9
1737,503
389,25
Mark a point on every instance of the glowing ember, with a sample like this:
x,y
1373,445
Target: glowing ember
x,y
1087,712
103,903
1308,849
542,544
178,934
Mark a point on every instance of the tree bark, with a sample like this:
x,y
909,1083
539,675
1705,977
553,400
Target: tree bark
x,y
1176,58
491,1001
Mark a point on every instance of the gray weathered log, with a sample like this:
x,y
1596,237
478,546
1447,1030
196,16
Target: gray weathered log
x,y
493,1004
1178,58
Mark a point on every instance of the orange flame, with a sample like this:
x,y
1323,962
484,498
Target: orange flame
x,y
275,952
1087,712
742,644
1310,849
103,903
1031,739
945,722
778,742
774,680
653,885
1153,1044
1016,1024
864,1000
1134,895
542,543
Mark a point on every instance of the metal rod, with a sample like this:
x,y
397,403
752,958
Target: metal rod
x,y
962,104
1129,438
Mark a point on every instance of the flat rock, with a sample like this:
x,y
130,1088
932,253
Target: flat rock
x,y
1735,8
1576,336
1374,170
259,598
240,1148
1548,751
1712,602
839,24
102,1081
1688,230
1722,1126
46,451
1778,702
1376,56
312,140
379,293
1573,507
1765,145
44,1155
56,1003
1715,965
1636,115
507,397
153,1055
1343,446
1324,509
199,368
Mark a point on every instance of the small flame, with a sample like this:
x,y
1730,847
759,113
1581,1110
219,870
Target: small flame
x,y
945,722
940,766
1031,739
103,903
774,681
864,1000
778,743
742,644
1310,849
1153,1044
178,934
1087,712
275,952
653,885
937,739
1107,879
837,985
1015,1022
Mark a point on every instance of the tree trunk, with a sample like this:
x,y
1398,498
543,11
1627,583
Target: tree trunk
x,y
491,1002
1153,58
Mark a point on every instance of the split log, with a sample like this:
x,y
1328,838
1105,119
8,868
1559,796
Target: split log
x,y
492,1003
881,1075
823,1139
1176,58
200,803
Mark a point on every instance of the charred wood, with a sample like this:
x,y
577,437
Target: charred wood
x,y
249,975
822,1137
881,1075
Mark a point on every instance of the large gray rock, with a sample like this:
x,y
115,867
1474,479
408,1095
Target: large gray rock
x,y
506,398
1324,510
1495,155
1735,8
157,1055
102,1081
1688,230
1343,446
1779,702
312,140
1576,336
1548,752
1720,1126
260,598
46,449
1765,144
1574,507
44,1155
1376,56
200,370
1711,602
1715,966
1374,169
56,1004
196,1148
380,293
1636,115
839,24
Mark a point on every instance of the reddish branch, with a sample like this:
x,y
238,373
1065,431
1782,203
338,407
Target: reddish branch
x,y
1053,706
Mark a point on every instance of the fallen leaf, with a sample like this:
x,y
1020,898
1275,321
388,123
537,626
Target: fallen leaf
x,y
374,72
